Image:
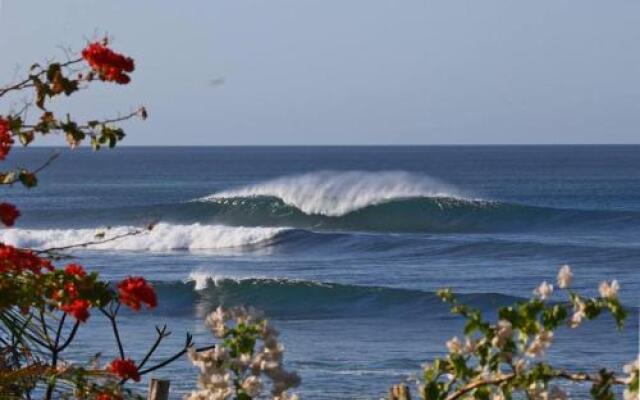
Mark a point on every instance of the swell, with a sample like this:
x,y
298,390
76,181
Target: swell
x,y
417,214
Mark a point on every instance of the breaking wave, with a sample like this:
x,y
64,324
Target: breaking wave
x,y
340,201
163,237
336,194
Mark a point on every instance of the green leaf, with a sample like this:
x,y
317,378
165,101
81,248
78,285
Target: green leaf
x,y
28,179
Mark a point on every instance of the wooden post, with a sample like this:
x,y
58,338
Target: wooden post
x,y
158,389
399,392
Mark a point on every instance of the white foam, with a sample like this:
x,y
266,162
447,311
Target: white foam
x,y
163,237
201,279
335,193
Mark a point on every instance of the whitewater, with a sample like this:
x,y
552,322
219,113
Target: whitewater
x,y
335,193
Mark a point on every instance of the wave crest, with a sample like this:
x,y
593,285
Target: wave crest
x,y
163,237
334,193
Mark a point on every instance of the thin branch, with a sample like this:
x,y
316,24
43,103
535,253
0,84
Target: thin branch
x,y
498,380
96,242
583,377
114,326
45,329
25,83
161,334
50,160
179,354
72,334
483,382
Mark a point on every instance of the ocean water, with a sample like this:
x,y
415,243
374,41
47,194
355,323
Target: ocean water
x,y
344,247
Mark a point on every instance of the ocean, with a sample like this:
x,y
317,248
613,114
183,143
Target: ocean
x,y
344,247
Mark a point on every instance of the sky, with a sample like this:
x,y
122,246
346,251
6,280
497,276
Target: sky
x,y
343,72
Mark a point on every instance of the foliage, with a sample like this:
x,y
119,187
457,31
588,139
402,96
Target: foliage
x,y
502,360
42,307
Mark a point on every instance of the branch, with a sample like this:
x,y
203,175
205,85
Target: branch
x,y
114,325
72,334
188,344
16,178
25,83
583,377
53,250
576,377
161,334
483,382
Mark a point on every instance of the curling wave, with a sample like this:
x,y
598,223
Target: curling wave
x,y
336,194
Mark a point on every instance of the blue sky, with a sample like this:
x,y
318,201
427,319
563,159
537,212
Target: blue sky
x,y
352,71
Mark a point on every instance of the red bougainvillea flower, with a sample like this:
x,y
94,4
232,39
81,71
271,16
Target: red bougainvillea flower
x,y
6,141
108,396
109,65
135,290
124,368
13,260
75,270
8,213
78,308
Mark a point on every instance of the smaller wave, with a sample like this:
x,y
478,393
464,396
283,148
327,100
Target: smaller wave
x,y
297,298
163,237
334,193
285,298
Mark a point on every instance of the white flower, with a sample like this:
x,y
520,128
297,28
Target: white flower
x,y
470,345
504,331
455,345
578,314
540,343
564,277
252,386
544,290
629,395
609,291
217,322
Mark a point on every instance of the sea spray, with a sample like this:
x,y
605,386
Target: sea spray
x,y
334,193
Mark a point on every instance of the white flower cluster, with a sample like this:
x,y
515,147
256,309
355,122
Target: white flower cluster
x,y
540,343
223,371
608,290
456,346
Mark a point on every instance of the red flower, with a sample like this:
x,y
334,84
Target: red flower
x,y
71,290
109,65
78,308
135,290
108,396
13,260
75,270
8,213
125,369
6,141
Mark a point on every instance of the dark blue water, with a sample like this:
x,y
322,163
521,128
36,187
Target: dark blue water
x,y
344,246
